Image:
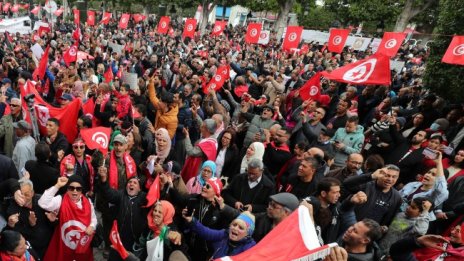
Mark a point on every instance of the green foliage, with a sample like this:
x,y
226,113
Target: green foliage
x,y
445,79
316,18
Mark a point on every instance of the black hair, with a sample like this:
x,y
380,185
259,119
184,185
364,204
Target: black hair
x,y
374,162
9,240
54,120
42,151
420,200
326,183
142,109
86,120
375,231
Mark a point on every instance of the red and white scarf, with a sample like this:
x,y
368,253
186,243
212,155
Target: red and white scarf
x,y
131,169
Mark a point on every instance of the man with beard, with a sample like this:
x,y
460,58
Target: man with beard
x,y
407,155
354,163
277,152
131,215
359,240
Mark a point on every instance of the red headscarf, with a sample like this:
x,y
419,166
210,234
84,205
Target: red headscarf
x,y
168,214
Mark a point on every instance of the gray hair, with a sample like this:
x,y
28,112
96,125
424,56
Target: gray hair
x,y
255,164
26,182
392,167
210,125
17,100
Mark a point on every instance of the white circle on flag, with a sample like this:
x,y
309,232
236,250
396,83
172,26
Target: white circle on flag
x,y
100,138
292,37
212,86
217,28
72,51
124,20
91,17
458,50
253,32
70,235
190,27
163,24
390,43
263,35
313,90
115,237
337,40
361,72
217,78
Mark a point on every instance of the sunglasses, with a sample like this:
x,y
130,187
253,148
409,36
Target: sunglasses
x,y
78,147
207,186
14,105
72,188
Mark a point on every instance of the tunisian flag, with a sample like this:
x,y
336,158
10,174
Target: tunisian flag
x,y
91,18
138,17
163,25
337,39
71,54
312,88
77,16
455,52
189,28
108,75
69,241
373,70
67,116
6,7
297,237
97,138
222,74
390,44
116,241
59,11
39,72
15,8
124,21
253,32
106,18
218,28
154,192
292,37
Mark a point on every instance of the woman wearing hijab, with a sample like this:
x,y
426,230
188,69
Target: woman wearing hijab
x,y
226,242
163,146
254,151
195,184
160,219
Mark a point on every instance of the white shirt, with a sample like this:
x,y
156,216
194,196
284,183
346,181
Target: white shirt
x,y
253,184
220,162
49,202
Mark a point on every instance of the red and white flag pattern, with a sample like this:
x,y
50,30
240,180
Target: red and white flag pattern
x,y
373,70
58,12
71,54
337,39
264,37
455,52
36,9
116,241
189,28
124,21
391,43
312,88
97,138
77,16
218,28
253,33
163,25
106,18
292,37
138,17
91,18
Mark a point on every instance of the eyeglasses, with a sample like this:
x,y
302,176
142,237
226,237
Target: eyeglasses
x,y
81,147
207,186
72,188
14,105
274,205
266,109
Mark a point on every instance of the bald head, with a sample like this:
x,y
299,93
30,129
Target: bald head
x,y
315,152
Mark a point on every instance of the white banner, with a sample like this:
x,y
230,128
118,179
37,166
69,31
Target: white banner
x,y
264,37
356,42
396,65
131,79
116,47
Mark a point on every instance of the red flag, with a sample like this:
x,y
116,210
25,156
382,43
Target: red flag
x,y
337,39
36,9
189,28
138,17
163,25
25,6
97,138
218,80
253,32
171,32
88,108
6,7
154,192
91,18
108,75
218,28
455,52
15,8
39,72
297,237
77,34
71,54
124,21
43,29
84,56
390,44
292,37
373,70
59,11
106,18
312,88
77,16
304,49
116,241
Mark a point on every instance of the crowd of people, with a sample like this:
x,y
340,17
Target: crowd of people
x,y
379,168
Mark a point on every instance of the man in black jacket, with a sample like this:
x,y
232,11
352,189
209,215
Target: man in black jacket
x,y
383,201
304,183
41,171
250,191
56,140
131,216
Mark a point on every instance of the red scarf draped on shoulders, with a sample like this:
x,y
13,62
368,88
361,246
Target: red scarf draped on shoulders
x,y
192,164
70,159
69,241
131,169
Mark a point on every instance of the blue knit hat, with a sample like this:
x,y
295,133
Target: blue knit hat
x,y
249,220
